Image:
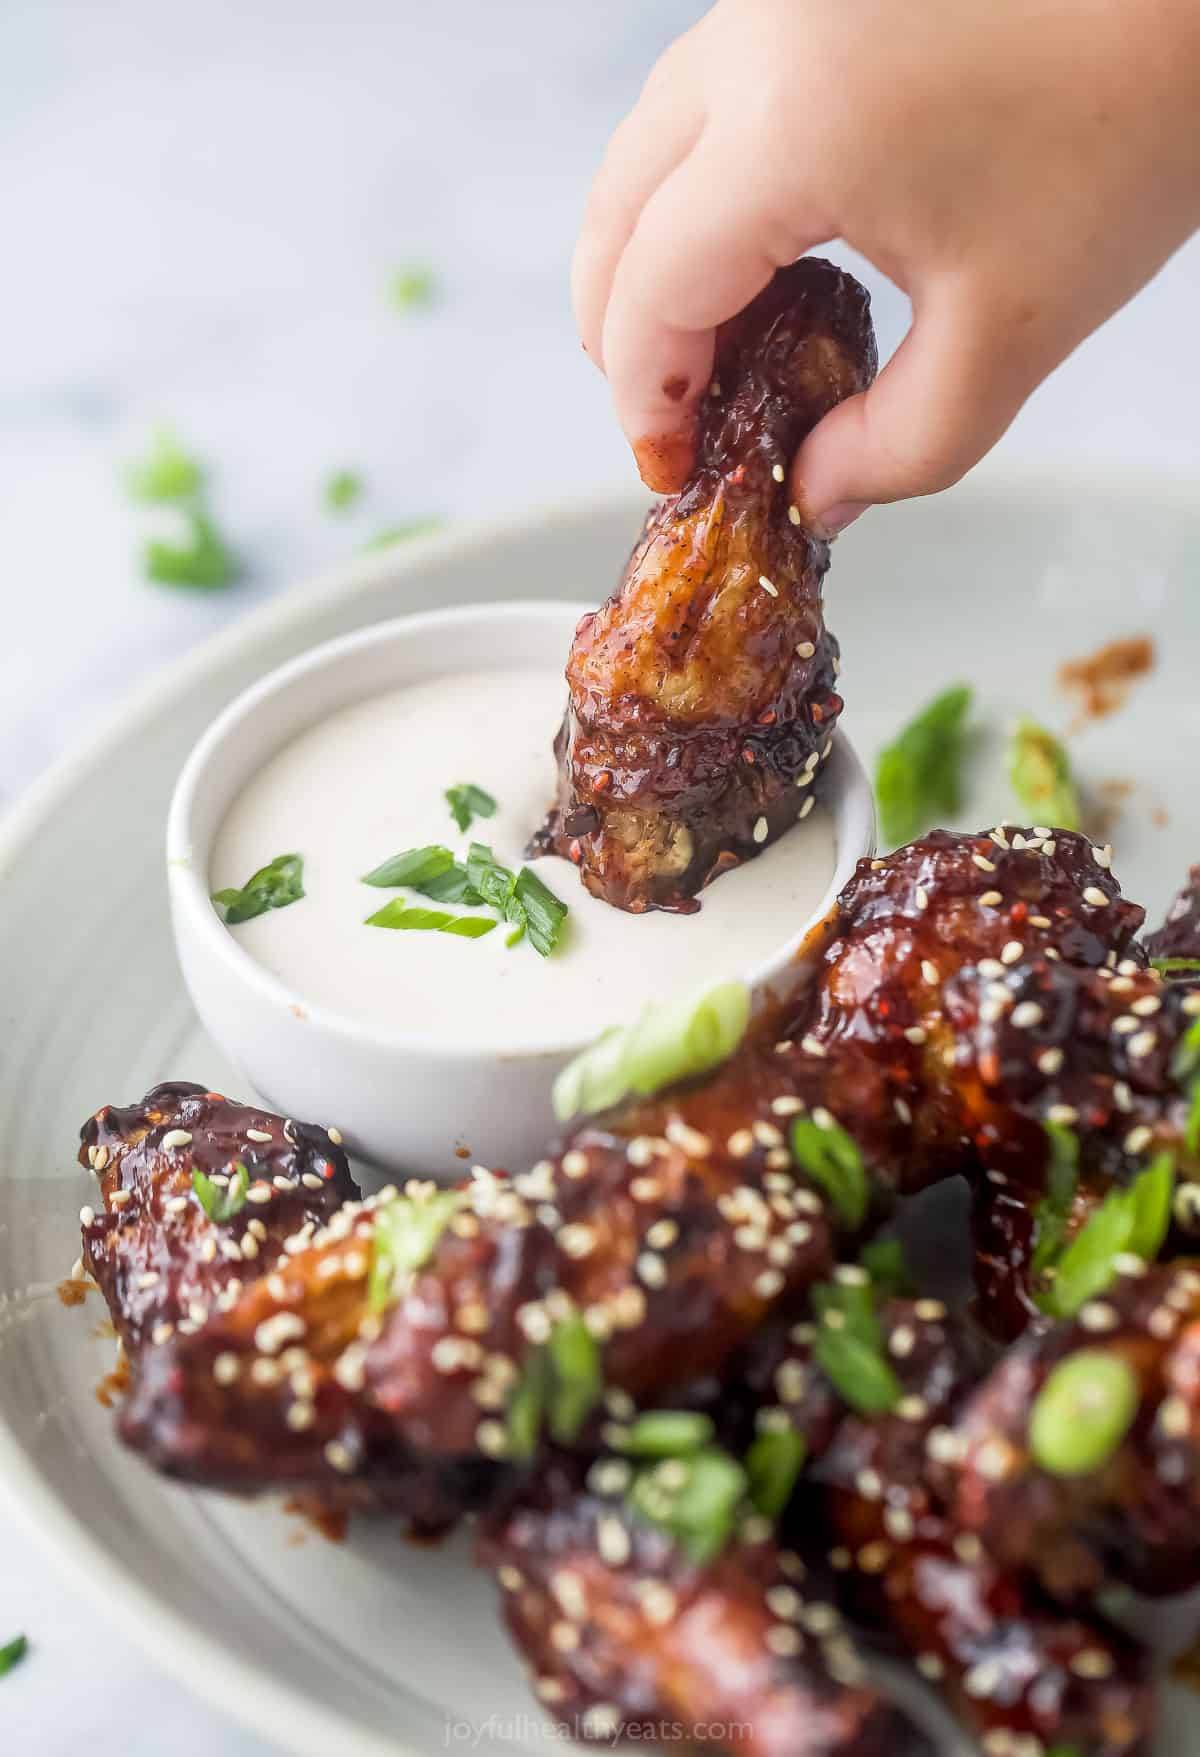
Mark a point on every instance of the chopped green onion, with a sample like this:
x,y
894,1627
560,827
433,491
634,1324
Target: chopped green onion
x,y
1052,1213
1185,1067
467,802
12,1653
204,559
273,886
1150,1197
1133,1220
668,1043
1083,1412
860,1375
773,1465
697,1504
392,534
831,1158
342,489
1040,771
666,1433
397,914
885,1262
166,473
407,1230
222,1202
412,288
414,868
849,1346
516,936
543,913
917,776
526,1404
577,1383
1176,966
495,883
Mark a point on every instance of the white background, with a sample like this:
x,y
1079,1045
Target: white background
x,y
200,207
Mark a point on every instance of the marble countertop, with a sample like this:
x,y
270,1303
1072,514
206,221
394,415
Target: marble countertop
x,y
201,208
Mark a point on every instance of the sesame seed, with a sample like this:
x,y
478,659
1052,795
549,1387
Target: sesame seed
x,y
151,1278
301,1415
992,968
983,863
310,1180
777,472
1095,896
226,1368
1066,1114
335,1135
784,1640
1012,952
259,1194
1092,1662
794,514
1142,1044
1026,1015
162,1333
612,1540
873,1558
1148,1005
968,1548
640,1150
122,1198
812,1045
922,896
601,1720
784,1602
915,1033
869,1484
761,829
912,1408
259,1135
575,1163
658,1602
805,649
807,807
339,1456
651,1269
510,1578
930,1666
766,585
87,1216
1173,1418
101,1159
991,898
768,1284
899,1523
177,1138
1103,856
786,1106
1049,1061
930,1311
982,1679
902,1341
690,1140
492,1438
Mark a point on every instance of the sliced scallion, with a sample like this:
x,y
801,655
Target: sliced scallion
x,y
669,1042
1083,1412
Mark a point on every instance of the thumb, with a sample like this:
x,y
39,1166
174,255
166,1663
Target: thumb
x,y
942,401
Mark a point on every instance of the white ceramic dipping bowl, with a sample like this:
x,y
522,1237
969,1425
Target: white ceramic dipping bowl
x,y
400,1100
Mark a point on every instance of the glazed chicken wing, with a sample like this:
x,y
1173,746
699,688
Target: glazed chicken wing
x,y
627,1637
702,695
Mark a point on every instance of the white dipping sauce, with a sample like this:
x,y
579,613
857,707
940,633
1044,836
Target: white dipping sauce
x,y
369,781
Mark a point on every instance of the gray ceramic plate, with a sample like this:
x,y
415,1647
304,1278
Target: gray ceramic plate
x,y
376,1646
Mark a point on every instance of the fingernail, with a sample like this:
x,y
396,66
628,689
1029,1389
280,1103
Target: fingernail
x,y
834,519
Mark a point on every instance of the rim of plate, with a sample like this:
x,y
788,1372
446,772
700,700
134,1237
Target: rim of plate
x,y
170,1636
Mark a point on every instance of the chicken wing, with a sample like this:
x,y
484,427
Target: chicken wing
x,y
702,695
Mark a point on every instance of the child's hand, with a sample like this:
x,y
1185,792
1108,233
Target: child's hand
x,y
1020,169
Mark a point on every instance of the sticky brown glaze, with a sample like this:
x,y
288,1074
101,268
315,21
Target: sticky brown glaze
x,y
161,1263
625,1637
1136,1520
676,1226
1179,935
1021,1674
702,701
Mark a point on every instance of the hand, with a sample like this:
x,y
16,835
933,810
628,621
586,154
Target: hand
x,y
1019,169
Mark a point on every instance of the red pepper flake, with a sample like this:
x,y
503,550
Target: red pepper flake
x,y
575,851
1019,911
818,713
747,755
215,1097
603,780
989,1068
327,1169
767,717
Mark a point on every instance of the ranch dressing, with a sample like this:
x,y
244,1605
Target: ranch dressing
x,y
368,782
